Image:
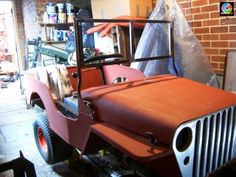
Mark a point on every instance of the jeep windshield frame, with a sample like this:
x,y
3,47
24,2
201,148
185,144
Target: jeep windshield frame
x,y
82,63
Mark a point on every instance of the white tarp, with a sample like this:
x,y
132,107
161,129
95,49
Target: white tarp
x,y
190,58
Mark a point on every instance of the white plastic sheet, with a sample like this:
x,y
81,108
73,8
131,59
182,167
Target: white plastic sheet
x,y
190,58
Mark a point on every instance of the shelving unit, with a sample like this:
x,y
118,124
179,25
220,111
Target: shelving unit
x,y
120,36
47,36
53,42
55,24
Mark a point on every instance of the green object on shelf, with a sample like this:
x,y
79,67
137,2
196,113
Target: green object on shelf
x,y
34,59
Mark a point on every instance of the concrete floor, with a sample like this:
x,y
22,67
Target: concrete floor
x,y
16,134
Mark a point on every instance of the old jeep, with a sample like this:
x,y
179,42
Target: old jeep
x,y
172,126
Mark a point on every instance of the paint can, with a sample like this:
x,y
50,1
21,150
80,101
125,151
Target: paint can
x,y
61,17
69,8
52,18
50,8
60,7
70,17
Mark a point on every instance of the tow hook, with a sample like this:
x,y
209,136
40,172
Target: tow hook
x,y
152,139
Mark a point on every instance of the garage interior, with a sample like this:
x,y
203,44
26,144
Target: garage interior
x,y
39,36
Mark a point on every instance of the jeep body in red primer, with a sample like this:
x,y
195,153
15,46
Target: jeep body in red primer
x,y
170,125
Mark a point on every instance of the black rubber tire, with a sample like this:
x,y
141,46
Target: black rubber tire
x,y
51,147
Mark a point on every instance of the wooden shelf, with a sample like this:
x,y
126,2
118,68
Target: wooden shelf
x,y
50,42
55,24
48,29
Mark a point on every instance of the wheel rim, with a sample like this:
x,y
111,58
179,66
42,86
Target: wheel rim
x,y
42,140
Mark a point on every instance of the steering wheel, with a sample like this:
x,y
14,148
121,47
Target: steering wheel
x,y
72,58
103,57
115,57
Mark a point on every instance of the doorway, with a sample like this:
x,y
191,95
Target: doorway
x,y
9,66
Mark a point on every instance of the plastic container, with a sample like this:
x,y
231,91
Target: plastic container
x,y
45,17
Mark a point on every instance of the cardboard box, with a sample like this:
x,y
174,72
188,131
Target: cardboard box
x,y
107,9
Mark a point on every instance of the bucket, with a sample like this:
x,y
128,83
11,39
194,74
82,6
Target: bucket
x,y
61,17
60,7
50,8
69,8
52,18
70,17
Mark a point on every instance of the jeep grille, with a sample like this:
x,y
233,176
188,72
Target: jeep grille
x,y
203,145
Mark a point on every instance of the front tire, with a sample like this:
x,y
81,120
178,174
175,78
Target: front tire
x,y
51,147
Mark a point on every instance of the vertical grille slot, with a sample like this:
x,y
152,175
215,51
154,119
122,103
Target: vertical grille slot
x,y
228,135
232,138
222,142
217,141
211,149
214,141
197,151
205,141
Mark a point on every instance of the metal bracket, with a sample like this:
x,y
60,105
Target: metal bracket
x,y
153,140
90,107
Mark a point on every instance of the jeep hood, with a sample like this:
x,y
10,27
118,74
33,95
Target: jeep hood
x,y
158,104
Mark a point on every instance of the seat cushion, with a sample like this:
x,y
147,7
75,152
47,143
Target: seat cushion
x,y
59,82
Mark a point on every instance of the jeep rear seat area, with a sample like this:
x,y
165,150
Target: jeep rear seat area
x,y
56,78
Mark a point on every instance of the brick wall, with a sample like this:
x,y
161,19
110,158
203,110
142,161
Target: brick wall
x,y
216,33
32,28
33,11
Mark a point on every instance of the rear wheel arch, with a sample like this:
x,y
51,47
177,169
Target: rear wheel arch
x,y
35,99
